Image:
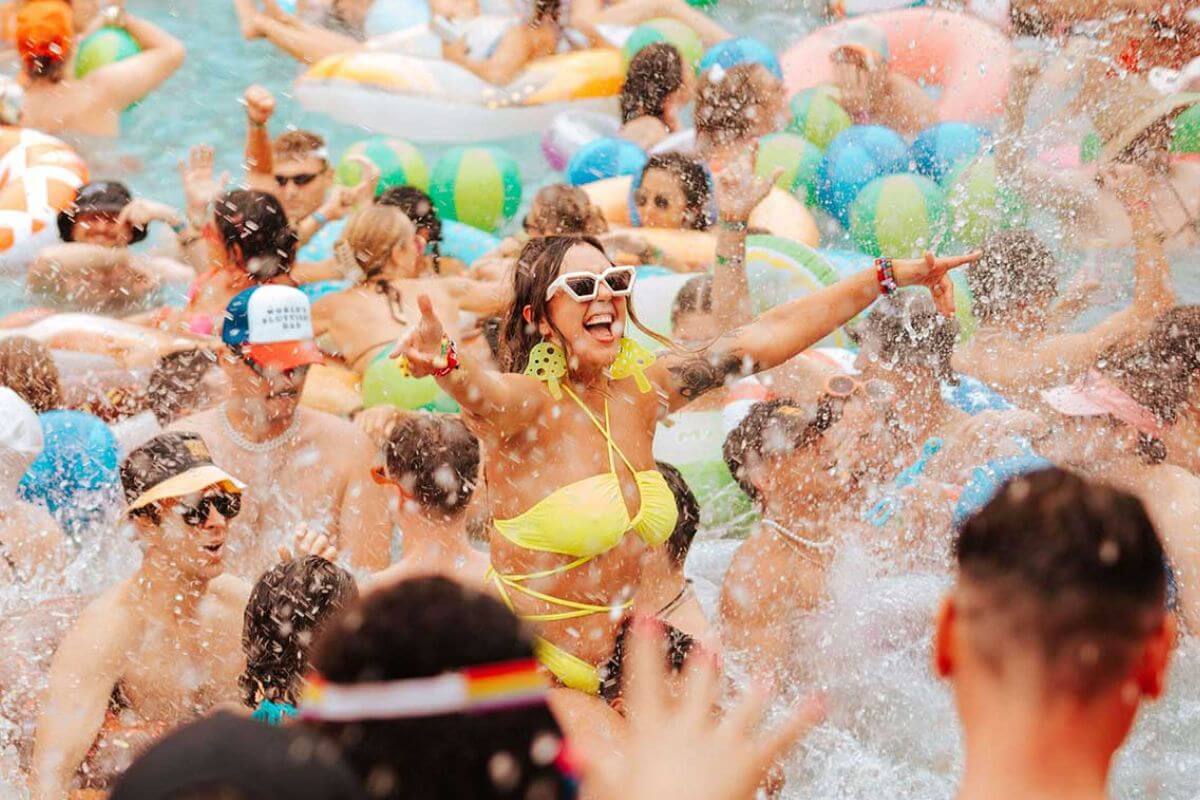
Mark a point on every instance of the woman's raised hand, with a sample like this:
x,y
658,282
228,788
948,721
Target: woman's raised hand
x,y
423,348
933,273
739,189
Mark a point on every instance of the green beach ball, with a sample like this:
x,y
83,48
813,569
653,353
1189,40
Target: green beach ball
x,y
1187,131
685,40
480,186
1089,148
384,384
106,46
980,204
399,164
703,5
817,116
799,159
900,216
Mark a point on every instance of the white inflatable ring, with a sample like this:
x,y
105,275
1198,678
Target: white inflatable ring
x,y
39,176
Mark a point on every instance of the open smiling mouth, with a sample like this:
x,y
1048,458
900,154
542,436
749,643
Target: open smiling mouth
x,y
602,327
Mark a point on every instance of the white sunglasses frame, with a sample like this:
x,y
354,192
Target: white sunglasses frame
x,y
560,283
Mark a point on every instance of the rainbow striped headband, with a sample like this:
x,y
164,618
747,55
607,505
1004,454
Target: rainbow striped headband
x,y
488,687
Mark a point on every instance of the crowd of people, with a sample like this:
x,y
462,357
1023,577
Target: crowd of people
x,y
490,597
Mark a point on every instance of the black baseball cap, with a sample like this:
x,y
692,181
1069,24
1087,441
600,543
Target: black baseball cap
x,y
171,464
98,197
230,753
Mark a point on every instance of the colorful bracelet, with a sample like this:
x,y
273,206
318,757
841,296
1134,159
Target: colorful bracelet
x,y
450,353
886,276
736,225
321,219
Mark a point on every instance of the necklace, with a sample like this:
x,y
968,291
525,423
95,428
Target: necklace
x,y
798,542
258,447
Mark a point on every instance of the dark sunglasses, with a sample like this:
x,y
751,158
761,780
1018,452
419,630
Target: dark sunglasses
x,y
303,179
227,504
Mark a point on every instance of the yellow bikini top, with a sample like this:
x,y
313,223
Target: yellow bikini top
x,y
587,518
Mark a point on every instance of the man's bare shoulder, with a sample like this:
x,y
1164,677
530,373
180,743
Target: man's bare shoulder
x,y
332,433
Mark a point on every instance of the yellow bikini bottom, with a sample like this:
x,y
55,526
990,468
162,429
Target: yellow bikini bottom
x,y
572,671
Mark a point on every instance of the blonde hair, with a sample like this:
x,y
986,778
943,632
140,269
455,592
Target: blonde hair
x,y
370,236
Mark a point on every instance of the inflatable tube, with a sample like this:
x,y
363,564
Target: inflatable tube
x,y
571,131
467,244
780,213
39,176
780,269
653,297
435,101
966,58
128,344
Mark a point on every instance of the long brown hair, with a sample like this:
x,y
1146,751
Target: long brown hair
x,y
537,266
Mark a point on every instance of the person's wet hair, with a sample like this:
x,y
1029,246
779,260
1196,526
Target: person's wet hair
x,y
693,179
546,11
421,628
694,297
772,429
653,75
1067,569
538,264
27,368
679,646
729,102
299,145
287,609
689,513
562,210
1159,372
419,208
1016,268
255,224
906,332
435,459
174,385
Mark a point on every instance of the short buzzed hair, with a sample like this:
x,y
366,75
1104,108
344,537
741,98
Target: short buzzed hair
x,y
295,145
1067,567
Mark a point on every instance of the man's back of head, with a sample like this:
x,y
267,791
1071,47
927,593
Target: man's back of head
x,y
1057,624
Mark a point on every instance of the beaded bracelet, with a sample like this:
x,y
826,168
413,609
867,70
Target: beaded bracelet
x,y
886,276
450,353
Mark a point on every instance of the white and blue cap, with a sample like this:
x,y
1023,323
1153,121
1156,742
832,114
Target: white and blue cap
x,y
272,326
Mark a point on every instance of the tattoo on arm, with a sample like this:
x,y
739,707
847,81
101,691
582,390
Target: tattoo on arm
x,y
708,370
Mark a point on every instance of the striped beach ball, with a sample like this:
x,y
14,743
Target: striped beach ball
x,y
939,150
979,203
817,116
900,216
106,46
1187,131
480,186
603,158
856,157
399,164
799,159
684,39
742,50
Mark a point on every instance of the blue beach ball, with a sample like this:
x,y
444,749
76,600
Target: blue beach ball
x,y
987,479
743,50
605,158
939,150
856,157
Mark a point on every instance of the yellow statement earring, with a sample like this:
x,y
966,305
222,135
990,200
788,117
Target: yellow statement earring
x,y
548,363
633,360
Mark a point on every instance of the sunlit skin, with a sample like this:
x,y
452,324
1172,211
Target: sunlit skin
x,y
660,200
298,201
320,478
169,637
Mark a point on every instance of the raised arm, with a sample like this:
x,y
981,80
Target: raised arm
x,y
84,672
302,41
259,159
479,297
364,524
739,191
791,328
125,82
504,401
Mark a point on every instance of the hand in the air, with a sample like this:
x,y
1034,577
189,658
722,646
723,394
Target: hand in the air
x,y
739,189
259,103
933,273
200,188
422,348
308,542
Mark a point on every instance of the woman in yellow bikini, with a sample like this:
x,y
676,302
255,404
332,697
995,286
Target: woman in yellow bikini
x,y
567,427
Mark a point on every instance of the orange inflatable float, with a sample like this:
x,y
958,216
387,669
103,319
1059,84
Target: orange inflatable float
x,y
967,59
39,176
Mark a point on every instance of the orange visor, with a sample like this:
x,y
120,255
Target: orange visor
x,y
44,29
284,355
